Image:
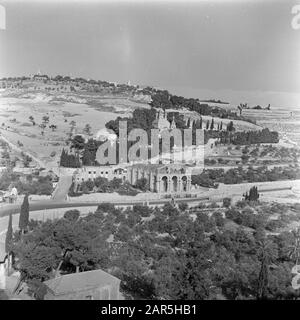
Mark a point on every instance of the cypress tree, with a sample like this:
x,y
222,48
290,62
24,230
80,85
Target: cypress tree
x,y
212,125
77,162
263,280
24,214
221,125
207,125
63,158
201,123
230,126
67,160
253,194
87,158
256,194
9,235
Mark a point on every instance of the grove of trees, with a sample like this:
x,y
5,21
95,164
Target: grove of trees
x,y
211,177
163,253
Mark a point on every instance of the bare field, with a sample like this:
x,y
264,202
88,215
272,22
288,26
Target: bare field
x,y
17,128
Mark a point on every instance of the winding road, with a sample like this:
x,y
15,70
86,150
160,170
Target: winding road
x,y
18,149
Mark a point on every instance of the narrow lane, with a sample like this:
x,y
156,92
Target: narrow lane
x,y
61,191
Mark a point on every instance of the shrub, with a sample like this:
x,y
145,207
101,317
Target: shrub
x,y
226,202
220,221
241,204
72,215
142,184
143,211
273,225
233,214
213,205
182,206
123,233
106,207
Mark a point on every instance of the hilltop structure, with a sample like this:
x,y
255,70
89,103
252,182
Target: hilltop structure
x,y
11,195
162,123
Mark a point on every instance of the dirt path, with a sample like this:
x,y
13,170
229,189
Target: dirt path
x,y
14,147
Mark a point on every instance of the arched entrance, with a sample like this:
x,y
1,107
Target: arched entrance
x,y
174,184
164,181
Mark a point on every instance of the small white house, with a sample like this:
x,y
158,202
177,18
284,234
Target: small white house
x,y
14,192
10,195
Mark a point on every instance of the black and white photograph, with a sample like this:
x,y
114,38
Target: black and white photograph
x,y
149,151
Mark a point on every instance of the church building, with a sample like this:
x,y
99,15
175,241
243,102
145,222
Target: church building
x,y
162,123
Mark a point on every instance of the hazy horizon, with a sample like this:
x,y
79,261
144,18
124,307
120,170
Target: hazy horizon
x,y
233,46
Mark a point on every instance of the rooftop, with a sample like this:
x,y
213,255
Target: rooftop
x,y
80,281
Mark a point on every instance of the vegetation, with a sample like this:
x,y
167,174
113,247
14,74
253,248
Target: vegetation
x,y
211,177
230,136
24,214
163,99
253,194
255,137
69,160
85,151
165,253
142,184
32,184
103,185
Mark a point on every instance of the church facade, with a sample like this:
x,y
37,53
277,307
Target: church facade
x,y
162,178
162,123
171,178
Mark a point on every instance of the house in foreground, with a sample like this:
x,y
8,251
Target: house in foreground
x,y
88,285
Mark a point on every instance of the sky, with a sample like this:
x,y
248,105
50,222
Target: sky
x,y
213,45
